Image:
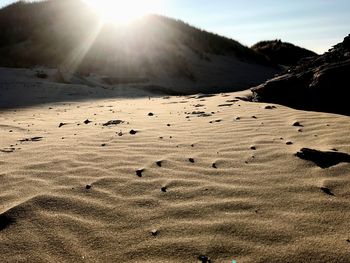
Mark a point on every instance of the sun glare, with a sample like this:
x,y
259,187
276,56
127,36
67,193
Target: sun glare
x,y
124,11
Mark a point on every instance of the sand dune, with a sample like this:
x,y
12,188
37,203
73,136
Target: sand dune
x,y
216,183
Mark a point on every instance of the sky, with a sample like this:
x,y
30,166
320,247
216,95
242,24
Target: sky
x,y
313,24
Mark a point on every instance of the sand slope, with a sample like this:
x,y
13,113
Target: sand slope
x,y
245,196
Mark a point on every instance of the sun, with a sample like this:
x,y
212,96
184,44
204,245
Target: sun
x,y
124,11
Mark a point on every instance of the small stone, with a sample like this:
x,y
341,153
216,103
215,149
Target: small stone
x,y
139,173
120,134
154,232
103,145
61,124
253,148
204,259
191,160
88,187
87,121
150,114
297,124
289,143
159,163
133,132
164,189
168,125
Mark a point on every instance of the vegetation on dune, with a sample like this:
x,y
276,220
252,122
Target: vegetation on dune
x,y
282,53
69,35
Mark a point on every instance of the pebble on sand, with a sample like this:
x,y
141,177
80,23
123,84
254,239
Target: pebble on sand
x,y
139,172
133,132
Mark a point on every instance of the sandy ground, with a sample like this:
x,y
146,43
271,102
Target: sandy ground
x,y
205,179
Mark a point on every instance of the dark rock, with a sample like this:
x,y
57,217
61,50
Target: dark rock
x,y
318,84
214,165
87,121
154,232
253,148
150,114
289,143
204,259
297,124
139,172
88,187
323,159
41,74
164,189
61,124
133,132
191,160
159,163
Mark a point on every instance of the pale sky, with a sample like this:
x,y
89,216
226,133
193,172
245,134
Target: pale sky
x,y
313,24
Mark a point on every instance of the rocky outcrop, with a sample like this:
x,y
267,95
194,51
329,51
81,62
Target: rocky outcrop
x,y
320,83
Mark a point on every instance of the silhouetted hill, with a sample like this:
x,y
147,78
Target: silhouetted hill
x,y
66,34
320,83
282,53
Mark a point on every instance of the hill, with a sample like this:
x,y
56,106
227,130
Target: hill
x,y
313,84
155,50
282,53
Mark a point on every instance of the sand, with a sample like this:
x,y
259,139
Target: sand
x,y
194,182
